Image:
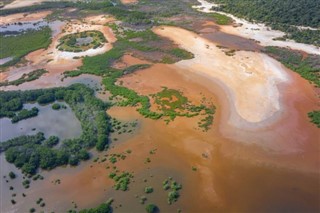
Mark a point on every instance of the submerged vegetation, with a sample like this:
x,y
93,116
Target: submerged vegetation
x,y
315,117
31,152
20,45
174,187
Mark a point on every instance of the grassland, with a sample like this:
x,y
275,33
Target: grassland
x,y
220,18
20,45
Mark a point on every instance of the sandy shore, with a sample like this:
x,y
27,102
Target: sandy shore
x,y
259,32
24,17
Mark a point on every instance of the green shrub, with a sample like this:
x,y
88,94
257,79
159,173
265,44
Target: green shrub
x,y
151,208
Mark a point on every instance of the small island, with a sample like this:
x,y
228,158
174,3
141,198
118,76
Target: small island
x,y
82,41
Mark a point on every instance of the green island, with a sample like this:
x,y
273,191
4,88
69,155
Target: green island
x,y
82,41
36,74
24,114
88,109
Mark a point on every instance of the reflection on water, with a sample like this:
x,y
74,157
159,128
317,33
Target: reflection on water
x,y
5,60
62,123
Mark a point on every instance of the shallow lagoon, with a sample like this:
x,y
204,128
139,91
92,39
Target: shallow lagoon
x,y
62,123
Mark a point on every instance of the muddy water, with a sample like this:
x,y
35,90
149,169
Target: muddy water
x,y
62,123
234,175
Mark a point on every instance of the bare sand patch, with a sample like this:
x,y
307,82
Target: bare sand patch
x,y
23,17
129,1
99,19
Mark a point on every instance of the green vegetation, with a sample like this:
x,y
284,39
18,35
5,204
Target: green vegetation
x,y
122,180
172,104
79,42
282,15
51,141
25,114
151,208
308,67
148,189
174,194
25,78
32,152
56,106
20,45
315,117
122,127
26,184
132,17
292,12
220,18
12,175
102,208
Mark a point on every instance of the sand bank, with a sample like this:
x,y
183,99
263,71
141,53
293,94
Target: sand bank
x,y
22,3
257,31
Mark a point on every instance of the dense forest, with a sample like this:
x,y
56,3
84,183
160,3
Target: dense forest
x,y
35,151
282,15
